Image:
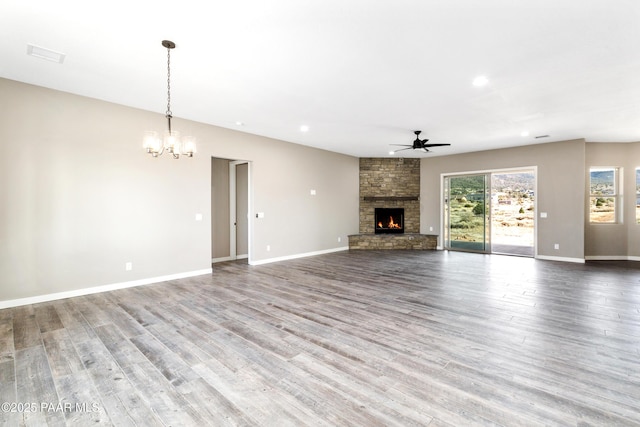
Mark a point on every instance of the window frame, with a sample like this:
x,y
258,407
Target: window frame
x,y
616,196
637,200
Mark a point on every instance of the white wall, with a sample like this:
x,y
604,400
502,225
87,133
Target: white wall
x,y
79,198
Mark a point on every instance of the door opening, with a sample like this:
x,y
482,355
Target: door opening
x,y
490,212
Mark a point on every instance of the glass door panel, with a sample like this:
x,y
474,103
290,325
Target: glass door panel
x,y
466,212
512,212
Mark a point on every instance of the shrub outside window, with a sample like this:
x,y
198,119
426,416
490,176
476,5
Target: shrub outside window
x,y
604,195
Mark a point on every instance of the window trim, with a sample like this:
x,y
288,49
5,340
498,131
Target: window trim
x,y
637,193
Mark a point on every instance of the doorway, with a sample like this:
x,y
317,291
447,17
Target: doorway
x,y
490,212
230,203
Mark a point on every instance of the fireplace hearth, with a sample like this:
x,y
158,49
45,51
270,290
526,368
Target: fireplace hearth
x,y
389,220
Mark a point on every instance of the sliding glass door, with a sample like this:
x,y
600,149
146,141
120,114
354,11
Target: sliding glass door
x,y
466,217
490,212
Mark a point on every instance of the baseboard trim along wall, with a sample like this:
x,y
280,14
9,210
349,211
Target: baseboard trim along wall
x,y
612,258
97,289
303,255
559,258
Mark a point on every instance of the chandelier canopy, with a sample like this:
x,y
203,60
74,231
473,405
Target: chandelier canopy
x,y
172,142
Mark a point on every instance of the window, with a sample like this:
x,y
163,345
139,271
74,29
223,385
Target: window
x,y
638,195
604,195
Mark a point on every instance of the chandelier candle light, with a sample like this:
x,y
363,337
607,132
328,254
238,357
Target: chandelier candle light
x,y
172,142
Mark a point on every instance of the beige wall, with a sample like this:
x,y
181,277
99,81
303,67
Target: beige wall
x,y
620,240
560,190
79,198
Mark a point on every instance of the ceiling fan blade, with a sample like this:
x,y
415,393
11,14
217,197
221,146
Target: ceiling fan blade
x,y
435,145
402,145
424,141
402,149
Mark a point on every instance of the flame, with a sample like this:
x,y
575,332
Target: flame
x,y
390,224
393,224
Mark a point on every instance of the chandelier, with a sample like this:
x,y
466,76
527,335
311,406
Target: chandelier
x,y
171,143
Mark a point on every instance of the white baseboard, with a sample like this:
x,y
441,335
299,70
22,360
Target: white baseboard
x,y
559,258
304,255
612,258
97,289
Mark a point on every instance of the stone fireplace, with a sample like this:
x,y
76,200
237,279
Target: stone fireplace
x,y
390,186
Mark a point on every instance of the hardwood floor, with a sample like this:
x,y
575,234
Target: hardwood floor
x,y
361,338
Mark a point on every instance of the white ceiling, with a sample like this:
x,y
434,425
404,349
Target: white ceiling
x,y
362,74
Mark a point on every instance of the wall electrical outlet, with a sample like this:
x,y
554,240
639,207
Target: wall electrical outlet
x,y
339,239
268,248
128,266
556,246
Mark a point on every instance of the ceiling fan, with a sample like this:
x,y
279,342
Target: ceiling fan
x,y
419,144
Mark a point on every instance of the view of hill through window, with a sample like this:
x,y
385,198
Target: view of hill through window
x,y
603,195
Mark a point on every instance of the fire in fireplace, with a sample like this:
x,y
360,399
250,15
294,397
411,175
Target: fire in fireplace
x,y
389,220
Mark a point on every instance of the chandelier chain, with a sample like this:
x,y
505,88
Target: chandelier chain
x,y
168,82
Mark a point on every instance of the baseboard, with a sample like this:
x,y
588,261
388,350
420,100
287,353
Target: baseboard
x,y
303,255
559,258
611,258
97,289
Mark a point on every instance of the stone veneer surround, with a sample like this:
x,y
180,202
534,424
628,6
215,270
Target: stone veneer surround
x,y
390,183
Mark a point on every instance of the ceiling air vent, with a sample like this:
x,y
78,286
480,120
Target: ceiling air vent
x,y
43,53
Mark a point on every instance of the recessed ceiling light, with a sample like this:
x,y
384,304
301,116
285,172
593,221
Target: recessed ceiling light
x,y
480,81
391,153
43,53
304,128
524,133
239,123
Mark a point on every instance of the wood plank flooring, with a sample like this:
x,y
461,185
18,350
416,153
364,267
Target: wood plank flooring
x,y
361,338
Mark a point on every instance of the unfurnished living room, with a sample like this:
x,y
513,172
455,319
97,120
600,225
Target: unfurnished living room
x,y
316,213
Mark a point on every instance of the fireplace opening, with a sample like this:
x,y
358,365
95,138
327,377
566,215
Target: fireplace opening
x,y
389,220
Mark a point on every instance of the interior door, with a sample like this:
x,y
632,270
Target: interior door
x,y
242,210
466,213
238,209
